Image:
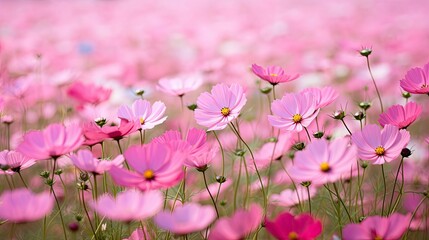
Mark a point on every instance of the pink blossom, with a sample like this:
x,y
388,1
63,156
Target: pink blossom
x,y
401,116
323,162
188,218
129,205
273,74
221,106
156,166
380,145
416,80
323,97
291,197
239,225
181,84
16,161
53,141
139,234
88,93
376,227
85,160
293,112
21,205
195,138
141,111
95,134
213,188
287,226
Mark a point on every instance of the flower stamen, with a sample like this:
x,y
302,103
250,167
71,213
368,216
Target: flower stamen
x,y
297,118
380,150
149,174
293,236
225,111
324,167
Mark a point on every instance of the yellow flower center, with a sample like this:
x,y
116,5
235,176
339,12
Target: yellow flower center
x,y
324,167
273,74
149,174
296,118
293,236
141,120
379,151
378,238
225,111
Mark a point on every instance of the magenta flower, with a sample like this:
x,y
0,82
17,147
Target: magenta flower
x,y
323,97
21,205
195,138
238,226
181,84
416,80
15,161
139,234
400,116
52,142
273,74
95,134
188,218
376,227
141,111
85,160
291,197
156,166
380,145
293,112
129,205
88,93
221,106
323,162
287,226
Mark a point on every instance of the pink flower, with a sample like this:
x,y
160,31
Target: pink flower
x,y
323,162
238,226
95,134
53,141
129,205
273,74
181,84
195,138
188,218
221,106
293,112
156,166
141,111
21,205
416,80
400,116
88,93
376,227
380,145
287,226
85,160
323,97
213,188
16,161
291,197
139,234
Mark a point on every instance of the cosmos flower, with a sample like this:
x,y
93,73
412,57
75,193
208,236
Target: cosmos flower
x,y
53,141
181,84
88,93
377,227
221,106
416,80
188,218
15,161
21,205
95,134
85,160
273,74
129,205
291,197
287,226
401,116
323,97
380,145
293,112
141,111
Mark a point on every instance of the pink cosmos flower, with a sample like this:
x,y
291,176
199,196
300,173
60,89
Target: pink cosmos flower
x,y
129,205
16,161
376,227
195,138
221,106
287,226
416,80
323,97
323,162
291,197
380,145
188,218
95,134
85,160
88,93
238,226
273,74
139,234
213,188
156,166
400,116
53,141
141,111
293,112
21,205
181,84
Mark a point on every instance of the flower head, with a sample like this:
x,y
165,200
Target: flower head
x,y
96,134
15,161
401,116
323,97
287,226
181,84
88,93
221,106
416,80
141,111
85,160
273,74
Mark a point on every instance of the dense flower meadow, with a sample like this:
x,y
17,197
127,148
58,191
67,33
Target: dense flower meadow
x,y
214,120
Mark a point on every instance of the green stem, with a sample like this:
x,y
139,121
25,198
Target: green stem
x,y
345,125
211,196
375,85
309,198
22,179
385,189
394,185
308,134
223,163
87,215
342,203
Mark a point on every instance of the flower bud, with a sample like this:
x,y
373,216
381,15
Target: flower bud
x,y
365,52
100,121
44,174
406,152
220,179
265,90
365,105
339,115
318,134
359,115
299,146
192,107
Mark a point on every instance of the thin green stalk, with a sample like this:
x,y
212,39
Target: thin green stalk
x,y
394,185
309,198
87,215
375,85
236,187
341,200
385,189
223,163
345,125
22,179
211,196
413,214
308,134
